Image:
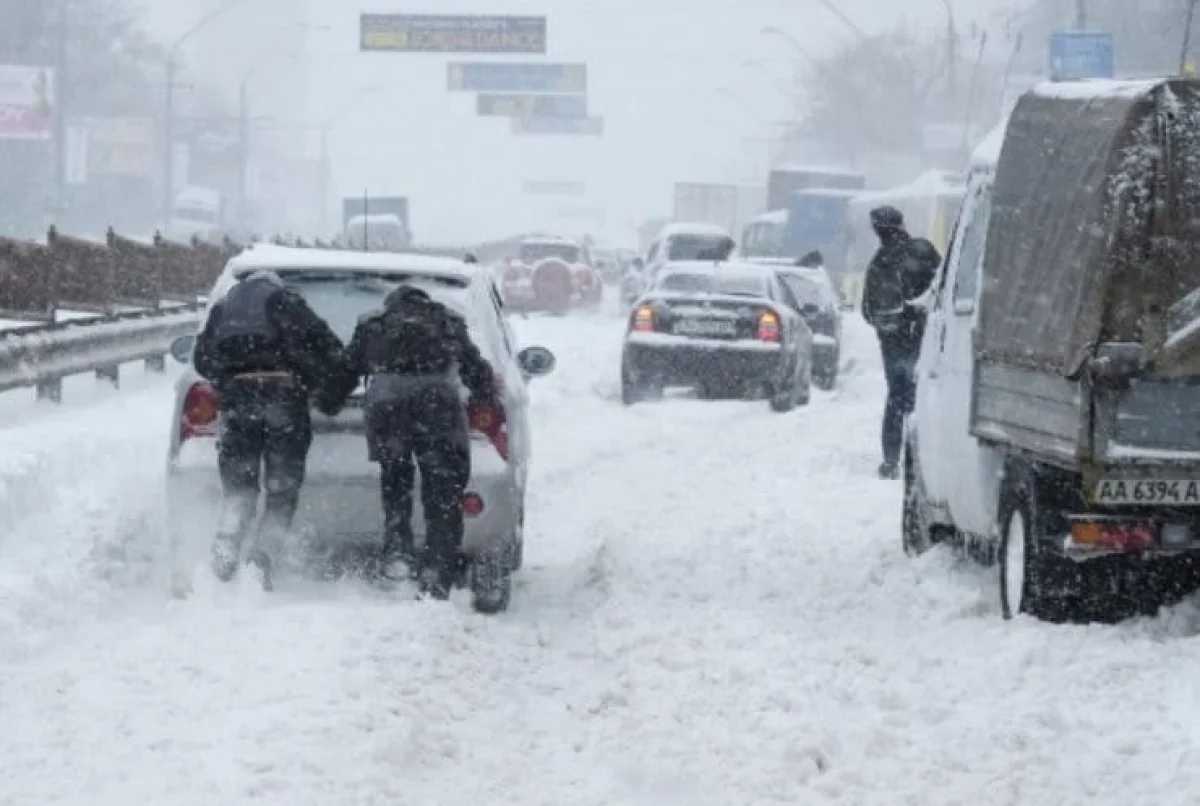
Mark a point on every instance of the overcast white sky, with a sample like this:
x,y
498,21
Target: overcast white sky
x,y
656,69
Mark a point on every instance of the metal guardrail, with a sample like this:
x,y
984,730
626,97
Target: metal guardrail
x,y
36,280
43,355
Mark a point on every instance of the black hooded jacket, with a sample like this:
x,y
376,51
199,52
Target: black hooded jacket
x,y
412,335
902,270
263,326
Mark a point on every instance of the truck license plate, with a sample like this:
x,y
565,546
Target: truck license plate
x,y
1179,492
705,327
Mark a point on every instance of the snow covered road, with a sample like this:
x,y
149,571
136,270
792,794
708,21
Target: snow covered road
x,y
715,610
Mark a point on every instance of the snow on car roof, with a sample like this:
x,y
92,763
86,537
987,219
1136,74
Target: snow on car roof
x,y
549,240
822,169
691,228
269,256
1095,88
735,267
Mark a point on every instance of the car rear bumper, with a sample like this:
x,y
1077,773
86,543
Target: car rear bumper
x,y
680,361
341,499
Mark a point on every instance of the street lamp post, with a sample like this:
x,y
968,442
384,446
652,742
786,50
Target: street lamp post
x,y
244,110
169,108
326,129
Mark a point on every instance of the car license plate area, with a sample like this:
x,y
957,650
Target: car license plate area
x,y
1148,492
721,328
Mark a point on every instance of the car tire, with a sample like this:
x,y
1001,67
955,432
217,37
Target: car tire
x,y
1033,580
825,376
787,399
635,391
491,584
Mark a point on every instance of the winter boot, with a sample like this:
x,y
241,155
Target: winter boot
x,y
262,562
225,552
889,470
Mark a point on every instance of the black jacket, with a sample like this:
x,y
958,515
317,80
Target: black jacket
x,y
901,271
410,336
258,327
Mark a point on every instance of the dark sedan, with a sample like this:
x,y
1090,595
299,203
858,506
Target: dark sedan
x,y
728,329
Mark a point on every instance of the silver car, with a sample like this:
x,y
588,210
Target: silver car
x,y
340,502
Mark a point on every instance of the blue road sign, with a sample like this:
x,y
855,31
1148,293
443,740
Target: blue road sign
x,y
578,126
524,105
1081,54
516,77
452,33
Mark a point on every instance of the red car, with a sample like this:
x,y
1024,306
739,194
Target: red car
x,y
554,275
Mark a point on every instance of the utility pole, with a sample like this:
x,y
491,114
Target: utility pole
x,y
243,152
58,90
1081,15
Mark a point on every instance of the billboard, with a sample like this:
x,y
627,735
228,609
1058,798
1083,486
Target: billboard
x,y
1081,54
519,105
452,33
122,146
577,126
516,77
543,187
26,102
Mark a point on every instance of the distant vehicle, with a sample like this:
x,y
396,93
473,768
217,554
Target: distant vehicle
x,y
340,503
354,206
785,180
553,275
680,241
820,306
609,264
724,330
196,212
762,238
383,232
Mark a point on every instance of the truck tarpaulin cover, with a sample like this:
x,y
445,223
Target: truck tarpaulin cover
x,y
1092,235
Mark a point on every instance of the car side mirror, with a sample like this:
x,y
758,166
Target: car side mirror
x,y
809,309
181,349
536,361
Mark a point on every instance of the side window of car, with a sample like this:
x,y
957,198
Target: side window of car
x,y
953,248
785,294
970,260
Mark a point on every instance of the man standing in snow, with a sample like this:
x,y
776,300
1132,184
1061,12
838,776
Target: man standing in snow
x,y
901,271
266,351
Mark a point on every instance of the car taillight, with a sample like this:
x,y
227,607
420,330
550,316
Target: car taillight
x,y
199,415
490,420
643,319
768,327
1113,533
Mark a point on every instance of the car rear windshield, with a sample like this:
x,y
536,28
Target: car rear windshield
x,y
806,290
738,285
533,252
693,247
340,299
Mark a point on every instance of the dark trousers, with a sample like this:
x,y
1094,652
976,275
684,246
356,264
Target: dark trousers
x,y
417,421
266,432
899,367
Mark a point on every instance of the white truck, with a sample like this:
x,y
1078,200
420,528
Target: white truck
x,y
1056,427
196,212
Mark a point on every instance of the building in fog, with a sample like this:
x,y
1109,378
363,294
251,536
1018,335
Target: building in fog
x,y
259,52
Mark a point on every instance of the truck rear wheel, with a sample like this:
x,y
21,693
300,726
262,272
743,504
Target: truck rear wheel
x,y
1033,579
